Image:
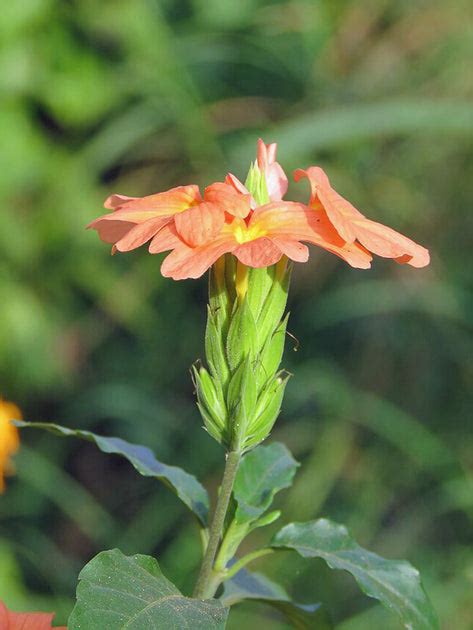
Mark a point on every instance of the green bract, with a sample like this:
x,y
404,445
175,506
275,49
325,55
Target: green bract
x,y
240,395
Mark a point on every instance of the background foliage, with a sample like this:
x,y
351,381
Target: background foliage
x,y
136,97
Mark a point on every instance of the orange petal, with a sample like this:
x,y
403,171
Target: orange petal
x,y
233,181
231,201
140,209
165,239
296,222
284,218
192,262
261,252
386,242
292,249
141,233
199,224
340,211
111,231
25,621
116,201
352,225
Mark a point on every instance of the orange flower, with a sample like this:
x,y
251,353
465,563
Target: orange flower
x,y
9,439
229,218
353,226
10,620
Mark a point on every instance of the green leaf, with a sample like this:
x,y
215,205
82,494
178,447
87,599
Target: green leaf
x,y
256,586
262,473
396,584
186,486
118,591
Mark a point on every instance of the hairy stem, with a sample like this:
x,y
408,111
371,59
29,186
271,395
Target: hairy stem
x,y
205,586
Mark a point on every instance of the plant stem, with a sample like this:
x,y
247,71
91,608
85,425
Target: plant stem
x,y
204,589
254,555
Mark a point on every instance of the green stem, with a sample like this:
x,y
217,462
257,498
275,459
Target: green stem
x,y
233,570
233,537
205,587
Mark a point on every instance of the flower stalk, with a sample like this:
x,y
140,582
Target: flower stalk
x,y
206,584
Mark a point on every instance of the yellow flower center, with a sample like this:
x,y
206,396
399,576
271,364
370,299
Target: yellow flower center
x,y
244,234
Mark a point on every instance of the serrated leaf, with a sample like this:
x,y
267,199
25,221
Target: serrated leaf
x,y
262,473
117,592
185,486
256,586
396,584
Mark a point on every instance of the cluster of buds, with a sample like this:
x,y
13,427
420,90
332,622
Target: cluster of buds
x,y
240,395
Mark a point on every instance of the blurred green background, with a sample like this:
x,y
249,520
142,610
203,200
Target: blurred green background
x,y
135,97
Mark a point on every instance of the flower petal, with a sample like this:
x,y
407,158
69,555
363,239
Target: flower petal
x,y
116,201
261,252
140,209
10,620
199,224
292,249
386,242
265,153
233,181
141,233
192,262
165,239
352,225
276,179
235,203
297,222
111,231
340,211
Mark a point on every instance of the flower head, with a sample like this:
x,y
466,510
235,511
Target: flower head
x,y
245,233
9,440
250,221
